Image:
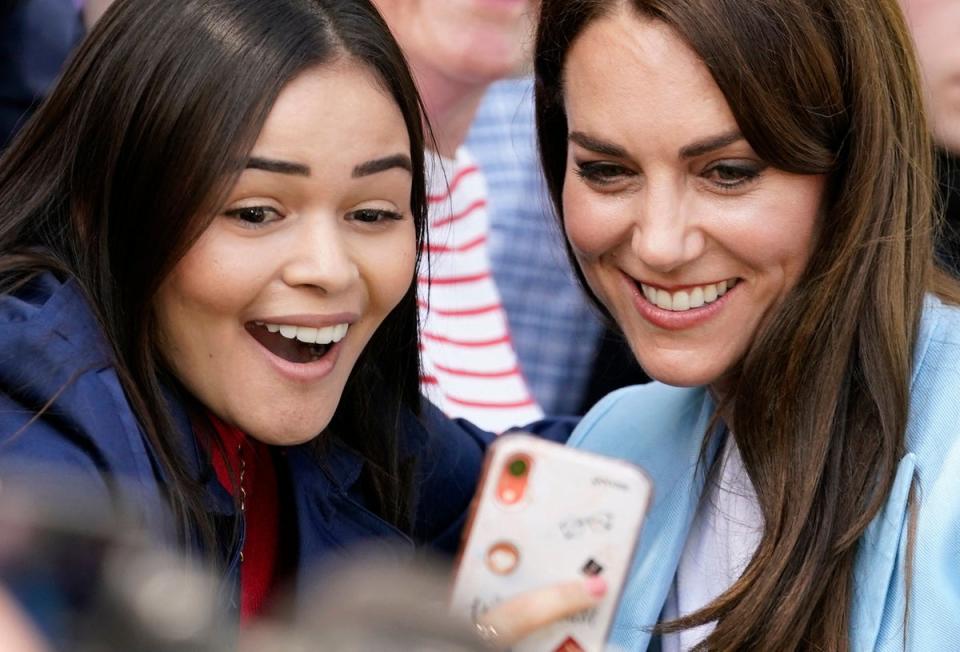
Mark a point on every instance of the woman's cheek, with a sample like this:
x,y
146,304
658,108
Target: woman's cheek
x,y
593,226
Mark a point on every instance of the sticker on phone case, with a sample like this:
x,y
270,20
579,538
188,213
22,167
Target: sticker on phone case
x,y
570,645
502,558
591,568
576,526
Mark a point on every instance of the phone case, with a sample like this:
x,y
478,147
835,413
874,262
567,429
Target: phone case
x,y
569,513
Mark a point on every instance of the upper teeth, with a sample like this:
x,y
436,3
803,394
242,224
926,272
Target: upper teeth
x,y
693,297
309,335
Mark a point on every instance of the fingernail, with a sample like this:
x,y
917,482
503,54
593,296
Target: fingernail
x,y
596,586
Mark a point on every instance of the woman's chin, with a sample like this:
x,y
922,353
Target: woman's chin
x,y
289,434
286,440
681,375
677,381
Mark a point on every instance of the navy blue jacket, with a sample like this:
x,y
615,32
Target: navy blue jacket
x,y
52,349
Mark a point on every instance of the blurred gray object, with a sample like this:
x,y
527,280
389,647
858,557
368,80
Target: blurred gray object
x,y
371,602
91,582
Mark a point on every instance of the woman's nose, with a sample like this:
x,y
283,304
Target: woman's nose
x,y
320,256
665,235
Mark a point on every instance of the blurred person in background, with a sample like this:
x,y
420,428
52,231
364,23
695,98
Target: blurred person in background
x,y
93,10
555,340
36,37
456,49
208,305
935,25
568,355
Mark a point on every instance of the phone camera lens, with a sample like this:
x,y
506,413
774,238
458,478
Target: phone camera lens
x,y
518,468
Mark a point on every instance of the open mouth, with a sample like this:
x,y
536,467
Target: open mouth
x,y
297,344
689,298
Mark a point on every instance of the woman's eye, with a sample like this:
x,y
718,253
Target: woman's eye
x,y
728,176
374,215
601,172
254,215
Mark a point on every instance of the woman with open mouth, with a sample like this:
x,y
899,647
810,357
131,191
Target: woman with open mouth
x,y
208,246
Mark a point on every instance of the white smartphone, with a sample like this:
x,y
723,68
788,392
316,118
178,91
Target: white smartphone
x,y
545,513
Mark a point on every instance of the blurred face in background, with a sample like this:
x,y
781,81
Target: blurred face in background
x,y
468,42
936,30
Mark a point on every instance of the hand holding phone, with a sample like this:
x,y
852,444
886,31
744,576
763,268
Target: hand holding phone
x,y
544,515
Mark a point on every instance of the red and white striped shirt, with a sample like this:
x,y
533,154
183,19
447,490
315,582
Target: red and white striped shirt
x,y
470,368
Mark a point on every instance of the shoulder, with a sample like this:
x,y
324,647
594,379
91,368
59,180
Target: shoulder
x,y
61,402
448,454
939,335
641,407
53,353
47,325
658,427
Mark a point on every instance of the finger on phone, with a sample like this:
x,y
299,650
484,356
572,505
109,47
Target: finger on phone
x,y
524,614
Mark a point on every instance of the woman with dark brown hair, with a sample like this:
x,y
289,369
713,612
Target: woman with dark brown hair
x,y
747,190
193,287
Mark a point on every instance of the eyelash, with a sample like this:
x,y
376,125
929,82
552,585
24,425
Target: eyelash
x,y
261,211
745,174
364,215
378,215
598,172
603,173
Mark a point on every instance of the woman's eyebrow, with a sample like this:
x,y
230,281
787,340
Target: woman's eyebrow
x,y
373,166
280,167
710,144
596,145
692,150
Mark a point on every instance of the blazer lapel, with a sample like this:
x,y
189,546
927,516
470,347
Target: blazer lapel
x,y
669,451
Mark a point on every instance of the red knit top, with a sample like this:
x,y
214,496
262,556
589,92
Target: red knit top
x,y
246,469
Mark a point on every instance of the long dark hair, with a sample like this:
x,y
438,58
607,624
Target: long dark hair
x,y
129,158
819,404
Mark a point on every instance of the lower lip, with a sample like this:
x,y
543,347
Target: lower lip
x,y
302,372
676,321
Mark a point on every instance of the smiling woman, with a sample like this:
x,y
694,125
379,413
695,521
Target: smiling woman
x,y
207,252
691,287
747,191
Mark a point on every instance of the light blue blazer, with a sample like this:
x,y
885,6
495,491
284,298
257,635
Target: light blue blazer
x,y
661,428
